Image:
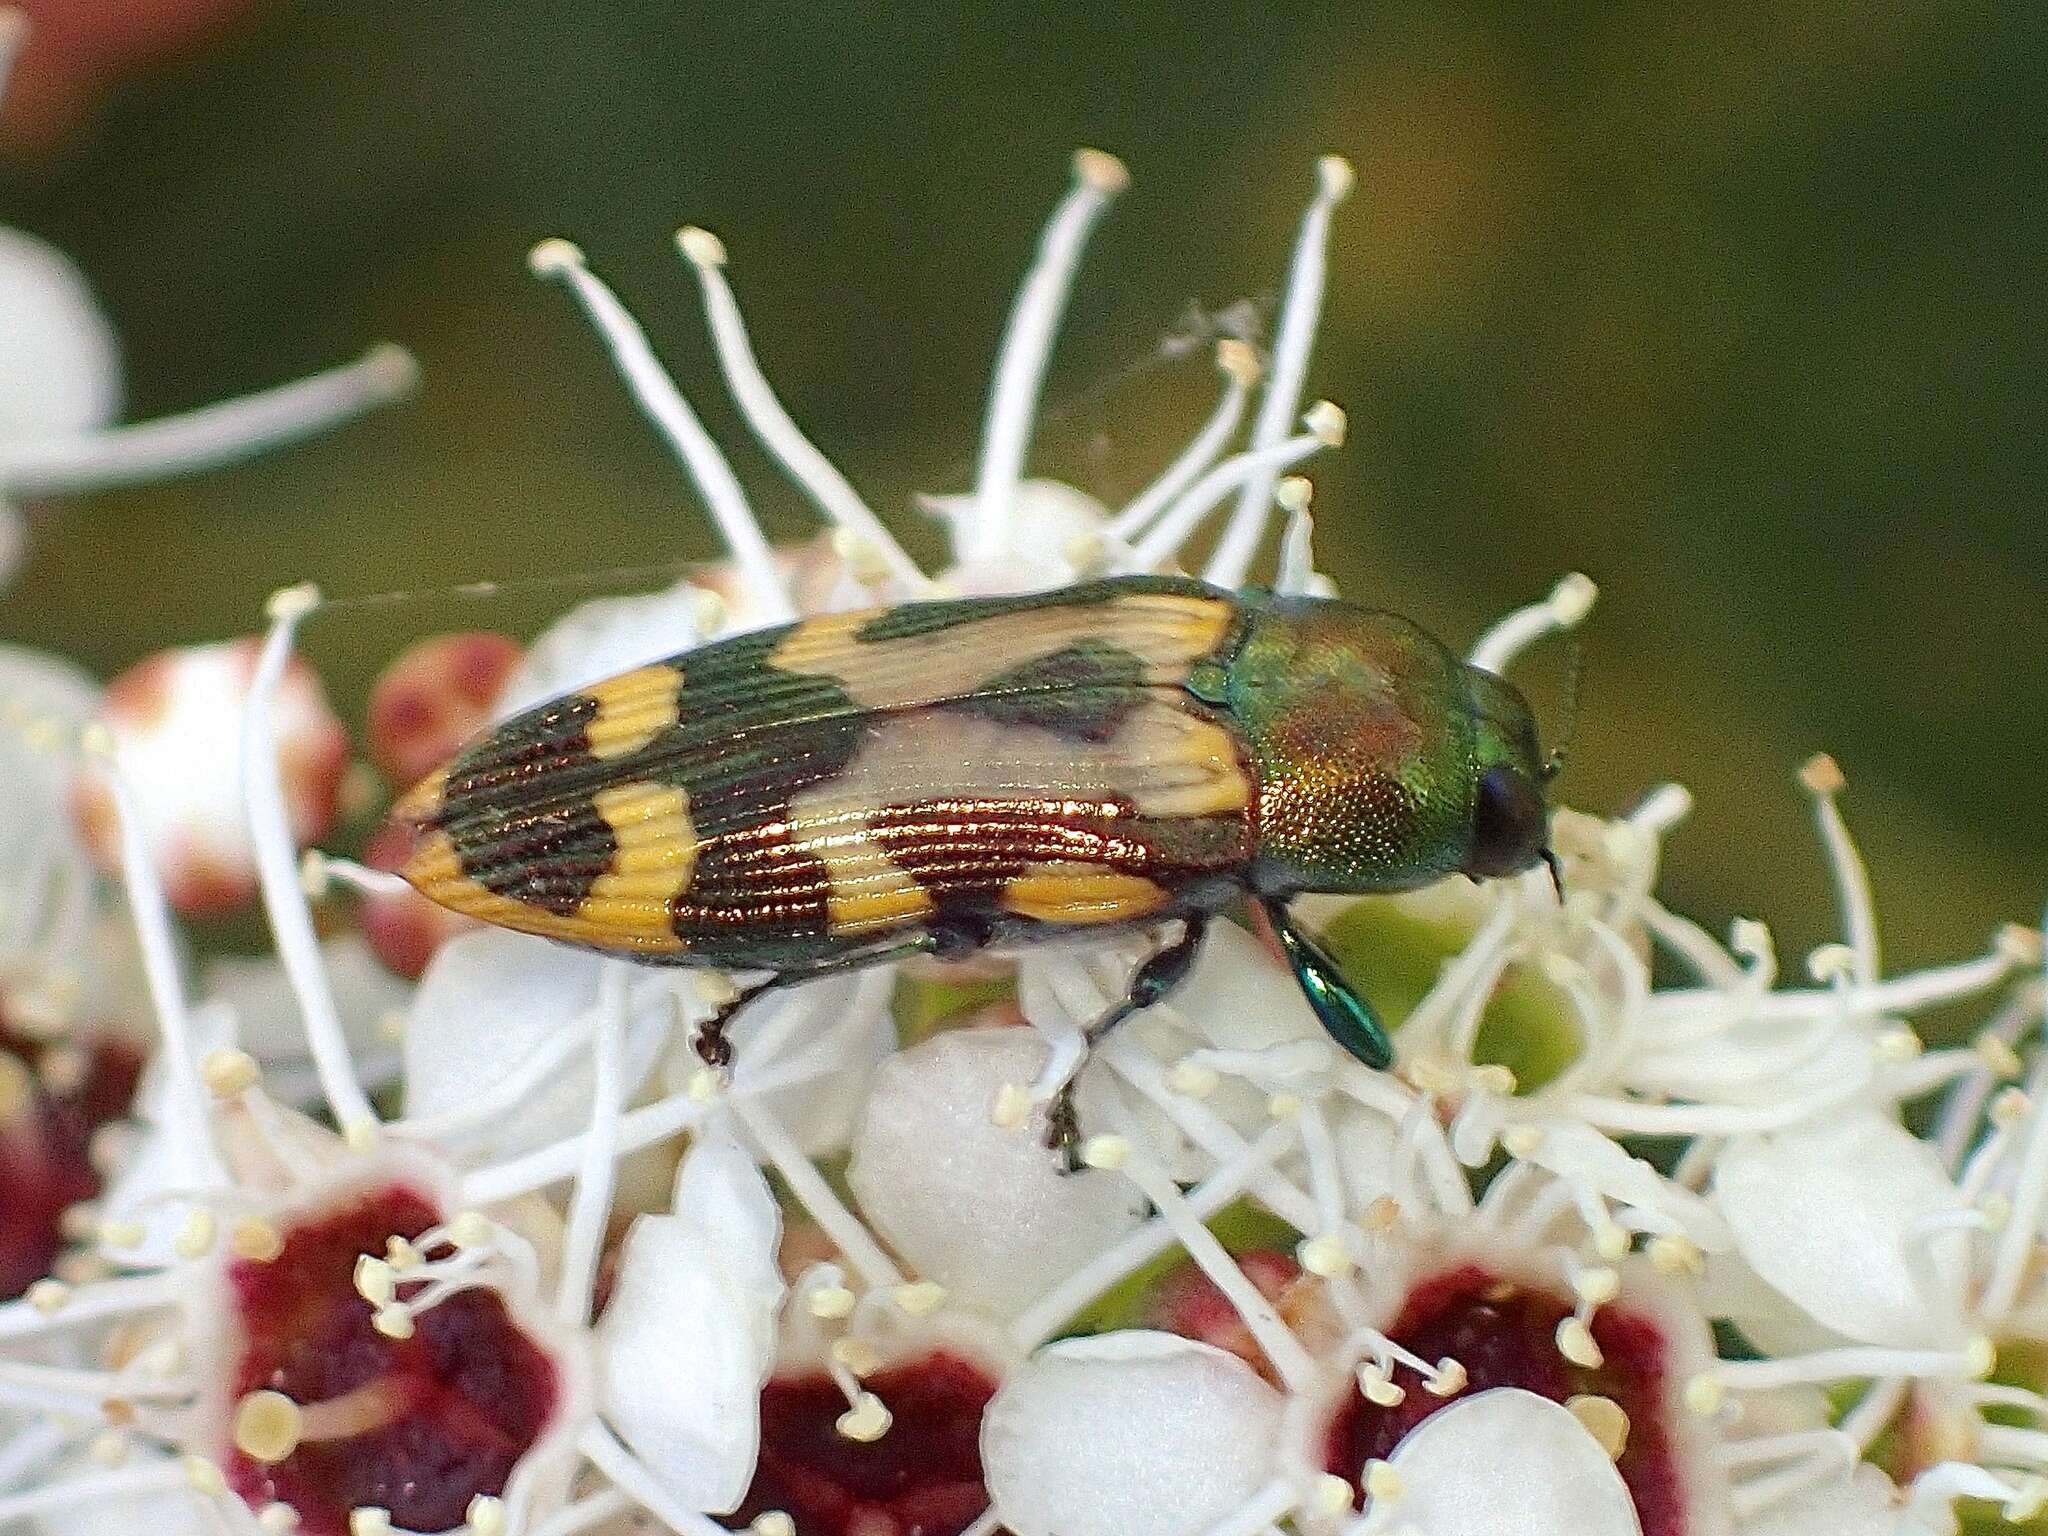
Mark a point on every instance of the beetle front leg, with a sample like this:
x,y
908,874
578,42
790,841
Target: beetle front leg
x,y
1163,970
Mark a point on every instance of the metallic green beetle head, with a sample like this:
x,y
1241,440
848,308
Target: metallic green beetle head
x,y
1383,761
1510,825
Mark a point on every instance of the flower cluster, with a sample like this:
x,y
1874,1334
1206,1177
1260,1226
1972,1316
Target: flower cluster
x,y
421,1226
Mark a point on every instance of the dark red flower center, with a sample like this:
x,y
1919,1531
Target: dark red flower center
x,y
417,1426
1504,1334
922,1478
45,1140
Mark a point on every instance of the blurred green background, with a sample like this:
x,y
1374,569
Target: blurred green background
x,y
1735,306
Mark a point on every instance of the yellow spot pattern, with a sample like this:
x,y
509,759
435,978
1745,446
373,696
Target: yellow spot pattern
x,y
1075,892
632,709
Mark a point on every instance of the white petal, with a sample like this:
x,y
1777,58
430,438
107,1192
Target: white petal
x,y
60,372
1730,1290
984,1210
266,1014
171,1512
487,1000
1049,523
601,639
1859,1504
1509,1463
688,1338
1129,1434
822,1111
1824,1213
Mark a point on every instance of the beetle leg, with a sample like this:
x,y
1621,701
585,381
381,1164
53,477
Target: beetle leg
x,y
1163,970
715,1051
1344,1011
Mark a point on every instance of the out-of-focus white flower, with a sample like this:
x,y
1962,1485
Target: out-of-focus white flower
x,y
50,890
60,388
1913,1265
170,717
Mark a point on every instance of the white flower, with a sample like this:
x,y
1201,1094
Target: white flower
x,y
168,720
1911,1268
60,388
280,1262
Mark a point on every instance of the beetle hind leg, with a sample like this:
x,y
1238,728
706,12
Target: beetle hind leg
x,y
1154,979
710,1042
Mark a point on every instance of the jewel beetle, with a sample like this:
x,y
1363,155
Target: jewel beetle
x,y
942,777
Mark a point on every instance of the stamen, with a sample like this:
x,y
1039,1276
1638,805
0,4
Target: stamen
x,y
1290,1359
1971,1363
209,437
1605,1421
590,1206
1051,1312
1326,427
1300,311
184,1111
1239,365
631,1478
848,1234
2016,1245
1564,609
49,1311
277,866
267,1426
816,475
48,1498
1297,575
1823,780
663,403
1027,347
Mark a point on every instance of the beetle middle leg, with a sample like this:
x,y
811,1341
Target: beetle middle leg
x,y
1154,979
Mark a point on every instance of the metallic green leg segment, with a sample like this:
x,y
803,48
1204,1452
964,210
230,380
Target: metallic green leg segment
x,y
1344,1013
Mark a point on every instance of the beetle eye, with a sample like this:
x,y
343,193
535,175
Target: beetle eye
x,y
1508,824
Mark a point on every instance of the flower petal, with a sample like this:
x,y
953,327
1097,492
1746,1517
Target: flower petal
x,y
1509,1463
487,1001
61,373
985,1210
1861,1504
1825,1213
688,1338
266,1014
601,639
1049,523
1128,1434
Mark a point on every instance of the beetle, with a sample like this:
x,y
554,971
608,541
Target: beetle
x,y
944,777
